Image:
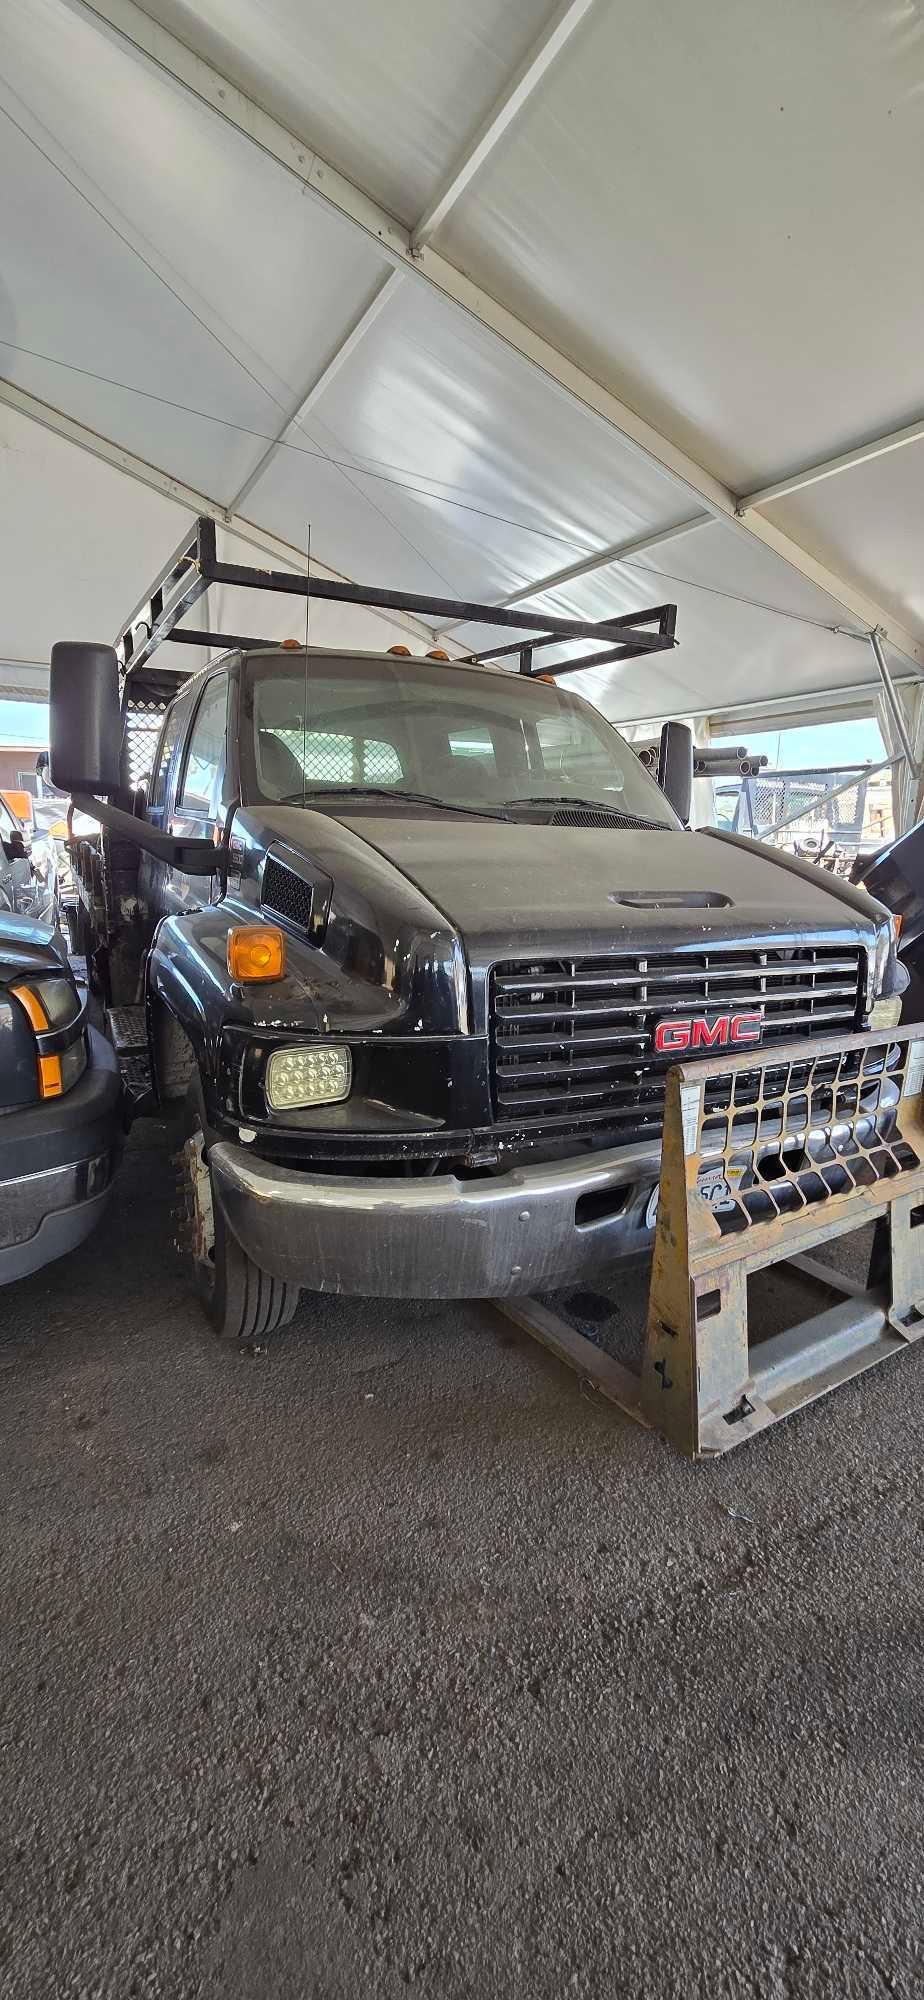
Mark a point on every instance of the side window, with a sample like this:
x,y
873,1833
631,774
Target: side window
x,y
205,757
164,754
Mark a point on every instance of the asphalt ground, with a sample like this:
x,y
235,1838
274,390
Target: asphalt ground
x,y
388,1661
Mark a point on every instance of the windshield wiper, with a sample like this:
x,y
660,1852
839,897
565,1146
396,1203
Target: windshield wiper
x,y
556,800
386,792
562,799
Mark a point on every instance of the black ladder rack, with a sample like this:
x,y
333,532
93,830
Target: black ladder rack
x,y
195,566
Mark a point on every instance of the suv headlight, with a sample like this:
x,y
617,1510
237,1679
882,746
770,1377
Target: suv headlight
x,y
296,1078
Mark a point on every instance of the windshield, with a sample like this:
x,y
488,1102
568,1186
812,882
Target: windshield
x,y
465,737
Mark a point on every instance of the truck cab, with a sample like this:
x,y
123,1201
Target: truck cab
x,y
417,942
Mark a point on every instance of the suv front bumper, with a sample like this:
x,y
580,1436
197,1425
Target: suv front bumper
x,y
439,1237
57,1160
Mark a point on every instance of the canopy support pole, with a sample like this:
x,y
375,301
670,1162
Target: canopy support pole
x,y
894,703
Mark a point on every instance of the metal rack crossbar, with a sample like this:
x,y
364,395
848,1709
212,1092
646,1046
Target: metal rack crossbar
x,y
195,566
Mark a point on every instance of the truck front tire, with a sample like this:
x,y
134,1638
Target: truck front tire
x,y
242,1302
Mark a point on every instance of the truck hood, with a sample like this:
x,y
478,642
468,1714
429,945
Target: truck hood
x,y
418,908
518,887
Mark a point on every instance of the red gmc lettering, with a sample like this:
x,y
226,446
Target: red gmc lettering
x,y
672,1035
706,1037
696,1032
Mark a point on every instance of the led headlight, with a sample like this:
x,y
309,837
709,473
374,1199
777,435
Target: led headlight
x,y
298,1077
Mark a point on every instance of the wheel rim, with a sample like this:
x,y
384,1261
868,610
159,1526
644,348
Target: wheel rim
x,y
200,1209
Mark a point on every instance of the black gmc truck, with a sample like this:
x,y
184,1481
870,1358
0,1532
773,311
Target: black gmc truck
x,y
417,941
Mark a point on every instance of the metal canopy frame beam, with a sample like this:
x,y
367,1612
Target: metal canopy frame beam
x,y
194,566
530,73
514,96
828,468
319,383
393,241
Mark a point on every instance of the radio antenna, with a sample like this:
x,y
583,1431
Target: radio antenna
x,y
307,637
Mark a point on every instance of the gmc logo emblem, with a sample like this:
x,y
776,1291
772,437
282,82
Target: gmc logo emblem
x,y
706,1031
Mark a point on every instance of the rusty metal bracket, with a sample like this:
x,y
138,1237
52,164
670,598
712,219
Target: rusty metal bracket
x,y
765,1157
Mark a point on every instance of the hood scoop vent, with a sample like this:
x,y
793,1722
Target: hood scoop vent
x,y
671,899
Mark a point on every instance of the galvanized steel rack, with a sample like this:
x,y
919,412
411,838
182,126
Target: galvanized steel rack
x,y
766,1157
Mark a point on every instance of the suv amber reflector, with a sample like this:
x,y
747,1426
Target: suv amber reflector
x,y
50,1080
255,952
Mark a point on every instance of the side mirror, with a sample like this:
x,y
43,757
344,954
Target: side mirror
x,y
86,717
675,767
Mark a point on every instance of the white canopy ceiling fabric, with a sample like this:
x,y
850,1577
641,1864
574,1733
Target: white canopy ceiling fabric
x,y
716,200
391,93
82,544
717,210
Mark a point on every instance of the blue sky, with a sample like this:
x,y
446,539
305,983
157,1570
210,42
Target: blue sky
x,y
815,745
24,722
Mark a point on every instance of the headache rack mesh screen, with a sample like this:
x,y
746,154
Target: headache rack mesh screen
x,y
142,727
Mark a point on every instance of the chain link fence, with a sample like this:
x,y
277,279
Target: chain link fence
x,y
827,815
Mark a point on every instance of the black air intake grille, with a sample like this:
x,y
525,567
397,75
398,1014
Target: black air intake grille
x,y
574,1038
286,894
586,816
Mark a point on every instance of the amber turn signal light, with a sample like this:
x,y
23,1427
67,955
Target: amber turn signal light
x,y
256,951
33,1006
49,1067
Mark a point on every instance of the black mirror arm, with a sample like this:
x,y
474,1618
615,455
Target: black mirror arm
x,y
196,857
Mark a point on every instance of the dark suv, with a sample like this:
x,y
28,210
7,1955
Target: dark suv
x,y
60,1103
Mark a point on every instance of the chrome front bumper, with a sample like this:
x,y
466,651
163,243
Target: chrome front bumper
x,y
439,1238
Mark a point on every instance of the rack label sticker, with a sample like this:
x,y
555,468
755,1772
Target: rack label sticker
x,y
914,1074
691,1095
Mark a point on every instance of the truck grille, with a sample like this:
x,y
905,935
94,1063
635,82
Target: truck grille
x,y
573,1039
